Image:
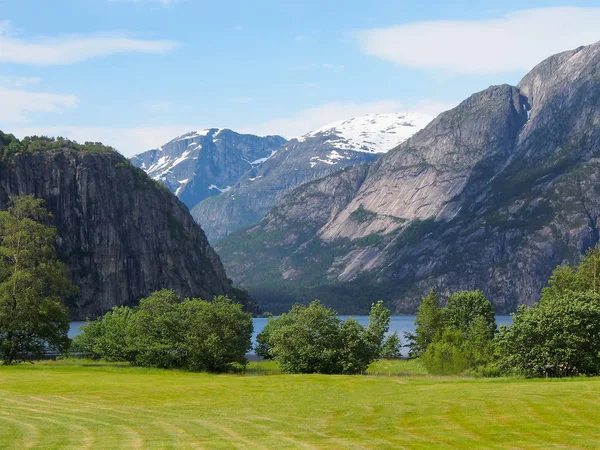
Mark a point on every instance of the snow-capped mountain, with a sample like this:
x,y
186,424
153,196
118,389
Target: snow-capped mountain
x,y
203,163
313,156
373,133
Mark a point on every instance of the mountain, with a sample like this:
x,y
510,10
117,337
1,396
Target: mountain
x,y
121,234
491,195
319,153
204,163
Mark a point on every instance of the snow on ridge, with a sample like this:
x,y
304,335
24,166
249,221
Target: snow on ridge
x,y
262,160
373,133
213,186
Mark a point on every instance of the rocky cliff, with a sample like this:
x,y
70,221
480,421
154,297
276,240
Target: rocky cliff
x,y
121,234
341,144
201,164
490,195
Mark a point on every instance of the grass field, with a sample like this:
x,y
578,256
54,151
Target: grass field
x,y
78,404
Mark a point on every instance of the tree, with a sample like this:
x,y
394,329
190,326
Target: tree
x,y
107,337
217,334
465,307
309,342
32,283
164,332
311,339
156,330
448,353
557,337
392,347
263,339
585,277
428,323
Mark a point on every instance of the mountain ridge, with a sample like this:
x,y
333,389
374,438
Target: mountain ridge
x,y
491,195
299,161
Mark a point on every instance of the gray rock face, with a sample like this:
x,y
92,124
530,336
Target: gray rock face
x,y
202,164
491,195
320,153
121,235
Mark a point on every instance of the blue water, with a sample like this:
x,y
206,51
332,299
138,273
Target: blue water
x,y
400,324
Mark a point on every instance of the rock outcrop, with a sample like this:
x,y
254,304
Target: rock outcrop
x,y
491,195
121,234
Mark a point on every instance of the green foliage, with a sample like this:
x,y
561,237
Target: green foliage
x,y
585,277
216,334
465,307
455,338
106,338
32,283
447,354
392,347
428,323
310,342
166,333
559,336
10,146
455,351
311,339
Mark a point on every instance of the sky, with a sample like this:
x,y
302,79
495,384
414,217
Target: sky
x,y
136,73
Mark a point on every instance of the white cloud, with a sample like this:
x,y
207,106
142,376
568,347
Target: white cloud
x,y
129,141
309,119
18,82
17,104
516,41
49,51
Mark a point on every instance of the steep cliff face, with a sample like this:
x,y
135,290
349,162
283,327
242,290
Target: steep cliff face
x,y
319,153
202,164
490,195
121,234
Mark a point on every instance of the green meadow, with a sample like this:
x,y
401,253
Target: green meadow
x,y
85,404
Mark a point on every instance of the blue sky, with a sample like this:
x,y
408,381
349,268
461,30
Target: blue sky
x,y
135,74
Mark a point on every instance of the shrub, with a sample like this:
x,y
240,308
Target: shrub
x,y
106,338
311,339
560,336
166,333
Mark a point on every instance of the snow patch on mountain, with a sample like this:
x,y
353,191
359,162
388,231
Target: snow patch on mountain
x,y
225,189
373,133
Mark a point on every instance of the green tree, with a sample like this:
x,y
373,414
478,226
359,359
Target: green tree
x,y
164,332
311,339
155,331
107,337
309,342
465,307
448,353
585,277
32,283
392,347
428,324
216,335
263,339
559,336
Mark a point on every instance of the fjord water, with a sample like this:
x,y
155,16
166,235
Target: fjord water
x,y
399,324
